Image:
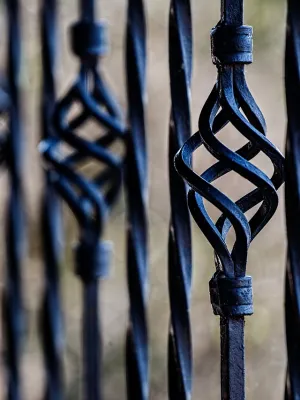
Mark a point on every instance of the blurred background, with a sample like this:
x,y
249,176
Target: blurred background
x,y
265,342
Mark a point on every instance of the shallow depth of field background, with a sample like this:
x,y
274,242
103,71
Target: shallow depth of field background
x,y
265,329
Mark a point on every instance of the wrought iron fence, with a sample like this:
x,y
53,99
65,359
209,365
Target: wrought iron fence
x,y
67,150
12,150
292,388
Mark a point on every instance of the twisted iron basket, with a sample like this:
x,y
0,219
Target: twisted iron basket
x,y
231,101
89,197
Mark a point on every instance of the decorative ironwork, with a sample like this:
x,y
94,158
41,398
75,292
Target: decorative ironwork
x,y
89,197
180,257
231,101
12,155
91,193
137,185
292,200
51,314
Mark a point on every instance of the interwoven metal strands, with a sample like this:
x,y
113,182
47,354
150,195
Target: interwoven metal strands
x,y
231,101
50,314
89,197
137,185
180,259
292,200
83,141
13,311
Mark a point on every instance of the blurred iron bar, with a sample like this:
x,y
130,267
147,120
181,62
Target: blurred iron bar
x,y
51,225
13,307
89,198
136,173
180,256
292,200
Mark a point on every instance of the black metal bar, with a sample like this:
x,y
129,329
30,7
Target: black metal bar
x,y
180,257
292,200
88,10
231,101
51,229
232,12
137,358
90,198
91,340
4,110
232,362
13,312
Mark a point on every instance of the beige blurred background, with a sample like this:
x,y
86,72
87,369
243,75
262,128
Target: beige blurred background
x,y
265,341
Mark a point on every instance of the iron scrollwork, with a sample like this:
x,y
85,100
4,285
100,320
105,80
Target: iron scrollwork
x,y
231,102
89,197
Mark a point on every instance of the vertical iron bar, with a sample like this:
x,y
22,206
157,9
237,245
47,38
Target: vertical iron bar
x,y
232,12
89,197
231,101
51,229
232,358
232,329
91,331
137,185
292,200
88,10
13,311
180,257
92,345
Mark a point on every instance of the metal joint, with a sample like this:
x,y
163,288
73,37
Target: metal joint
x,y
231,297
92,261
89,39
231,44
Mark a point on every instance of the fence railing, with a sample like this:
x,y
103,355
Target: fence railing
x,y
12,150
91,196
292,388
